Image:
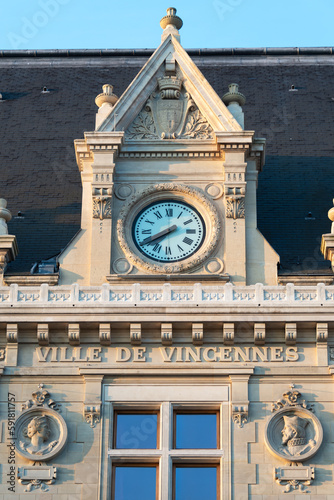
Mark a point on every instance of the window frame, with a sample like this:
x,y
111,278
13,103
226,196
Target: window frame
x,y
134,411
195,464
196,411
134,464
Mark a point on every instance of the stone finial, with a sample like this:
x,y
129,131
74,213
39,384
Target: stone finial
x,y
331,217
233,95
234,101
107,96
171,24
5,216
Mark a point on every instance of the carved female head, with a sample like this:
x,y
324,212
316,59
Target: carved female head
x,y
39,426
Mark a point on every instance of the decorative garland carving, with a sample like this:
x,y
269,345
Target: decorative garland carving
x,y
92,414
175,189
240,415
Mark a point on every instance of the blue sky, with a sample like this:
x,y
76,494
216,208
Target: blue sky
x,y
68,24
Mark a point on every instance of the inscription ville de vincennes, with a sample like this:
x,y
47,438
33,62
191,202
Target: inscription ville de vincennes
x,y
157,355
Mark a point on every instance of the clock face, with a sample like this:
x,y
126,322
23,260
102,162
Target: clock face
x,y
168,231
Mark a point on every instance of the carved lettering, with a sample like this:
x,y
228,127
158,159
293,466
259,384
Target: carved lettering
x,y
167,353
123,354
292,354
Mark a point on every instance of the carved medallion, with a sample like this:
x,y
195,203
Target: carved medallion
x,y
293,433
41,432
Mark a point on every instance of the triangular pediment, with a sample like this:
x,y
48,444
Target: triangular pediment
x,y
170,88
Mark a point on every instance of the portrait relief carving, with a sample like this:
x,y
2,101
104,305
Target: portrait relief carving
x,y
293,433
38,432
41,432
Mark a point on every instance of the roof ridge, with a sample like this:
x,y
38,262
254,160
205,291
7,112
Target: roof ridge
x,y
256,51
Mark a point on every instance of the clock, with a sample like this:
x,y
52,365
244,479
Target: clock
x,y
168,230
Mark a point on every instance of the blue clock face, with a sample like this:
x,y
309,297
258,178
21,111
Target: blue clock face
x,y
168,231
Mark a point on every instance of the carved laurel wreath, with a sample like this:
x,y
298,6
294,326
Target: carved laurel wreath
x,y
124,223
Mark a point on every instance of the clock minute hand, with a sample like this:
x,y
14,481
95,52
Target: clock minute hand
x,y
162,233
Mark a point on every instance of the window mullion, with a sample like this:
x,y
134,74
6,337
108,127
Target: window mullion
x,y
165,440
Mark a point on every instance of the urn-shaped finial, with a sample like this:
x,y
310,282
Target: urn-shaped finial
x,y
5,216
171,19
106,96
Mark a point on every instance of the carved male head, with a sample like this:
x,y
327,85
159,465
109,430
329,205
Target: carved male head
x,y
294,427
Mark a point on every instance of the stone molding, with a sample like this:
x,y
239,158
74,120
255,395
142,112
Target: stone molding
x,y
290,333
197,333
167,293
160,191
166,334
105,334
43,334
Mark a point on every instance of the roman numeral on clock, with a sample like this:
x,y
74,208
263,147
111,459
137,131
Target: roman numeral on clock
x,y
157,248
187,222
158,215
180,248
168,251
191,231
187,240
146,231
169,212
149,222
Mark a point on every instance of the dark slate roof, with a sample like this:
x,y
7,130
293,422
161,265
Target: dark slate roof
x,y
40,179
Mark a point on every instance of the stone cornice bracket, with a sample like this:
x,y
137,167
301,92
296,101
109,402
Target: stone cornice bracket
x,y
259,333
102,203
322,333
135,333
105,334
12,336
228,333
290,333
92,414
197,333
166,334
8,243
235,202
74,334
92,403
43,334
12,333
257,152
83,153
322,347
240,415
239,399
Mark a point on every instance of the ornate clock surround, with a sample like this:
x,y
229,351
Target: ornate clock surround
x,y
159,192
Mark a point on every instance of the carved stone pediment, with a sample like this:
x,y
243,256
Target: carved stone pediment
x,y
169,113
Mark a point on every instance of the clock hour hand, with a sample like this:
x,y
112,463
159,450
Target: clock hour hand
x,y
161,234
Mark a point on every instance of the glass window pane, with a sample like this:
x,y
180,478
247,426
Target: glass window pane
x,y
196,430
195,483
135,483
136,430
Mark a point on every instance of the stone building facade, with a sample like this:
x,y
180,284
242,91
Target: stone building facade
x,y
163,350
